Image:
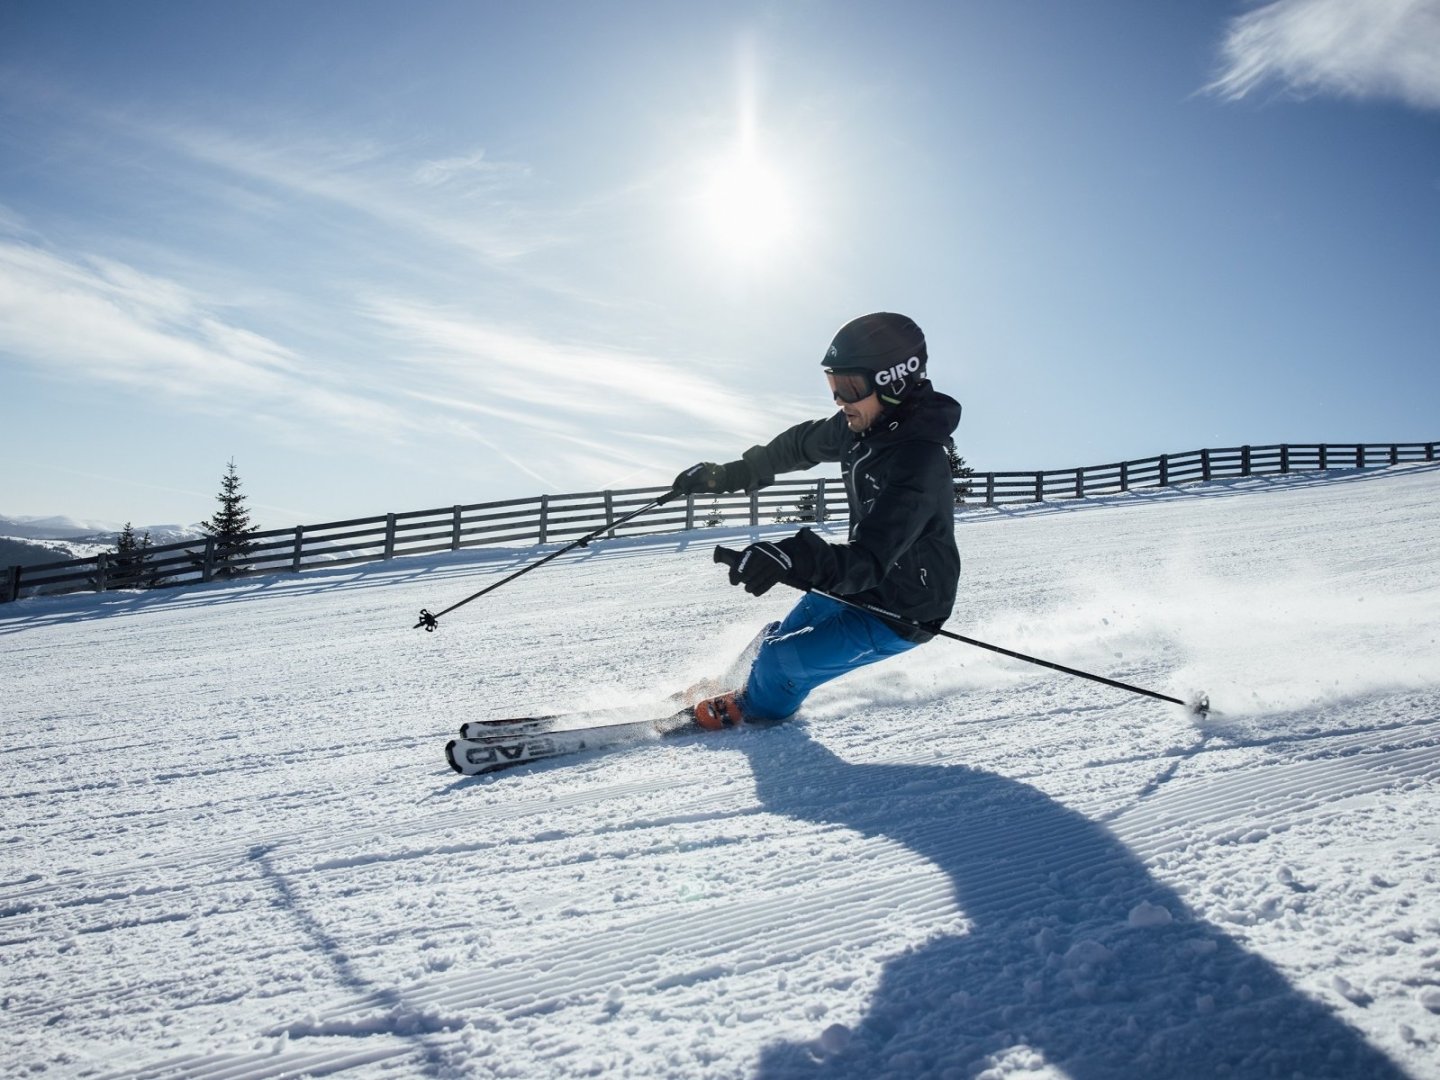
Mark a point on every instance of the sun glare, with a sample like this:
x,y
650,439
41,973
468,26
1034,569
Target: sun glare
x,y
745,207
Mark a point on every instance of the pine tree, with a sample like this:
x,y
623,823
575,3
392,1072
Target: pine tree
x,y
805,507
127,560
130,566
147,576
715,518
804,511
961,472
230,526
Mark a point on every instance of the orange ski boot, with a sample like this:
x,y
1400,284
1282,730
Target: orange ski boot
x,y
718,713
697,692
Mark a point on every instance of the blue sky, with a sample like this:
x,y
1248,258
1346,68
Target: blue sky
x,y
391,256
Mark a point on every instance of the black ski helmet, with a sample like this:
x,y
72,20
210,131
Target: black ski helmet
x,y
888,346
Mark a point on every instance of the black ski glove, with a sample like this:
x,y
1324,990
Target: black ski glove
x,y
762,566
707,478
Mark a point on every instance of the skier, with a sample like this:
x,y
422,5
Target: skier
x,y
890,436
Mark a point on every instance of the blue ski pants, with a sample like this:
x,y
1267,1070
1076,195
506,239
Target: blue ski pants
x,y
818,641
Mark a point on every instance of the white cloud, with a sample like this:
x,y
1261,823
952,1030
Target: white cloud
x,y
12,221
534,378
457,201
475,169
1348,48
581,416
569,414
103,321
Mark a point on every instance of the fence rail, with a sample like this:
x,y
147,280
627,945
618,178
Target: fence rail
x,y
1192,466
548,519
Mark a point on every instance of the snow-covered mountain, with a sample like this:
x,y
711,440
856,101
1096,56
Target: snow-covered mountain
x,y
53,528
234,850
31,541
91,532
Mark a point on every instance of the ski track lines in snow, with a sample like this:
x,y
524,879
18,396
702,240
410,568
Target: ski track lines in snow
x,y
232,849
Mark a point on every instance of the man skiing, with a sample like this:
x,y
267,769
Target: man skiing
x,y
890,436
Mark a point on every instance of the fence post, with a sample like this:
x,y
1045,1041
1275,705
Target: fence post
x,y
1124,476
610,512
102,570
1039,487
1284,458
299,545
455,531
544,519
1205,464
689,511
1164,470
12,585
1429,451
754,509
389,536
1080,483
207,571
1324,457
1244,461
1394,454
1360,455
820,501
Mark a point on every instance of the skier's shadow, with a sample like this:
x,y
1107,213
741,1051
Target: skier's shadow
x,y
1069,952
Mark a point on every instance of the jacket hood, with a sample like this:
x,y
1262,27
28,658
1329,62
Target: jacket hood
x,y
925,416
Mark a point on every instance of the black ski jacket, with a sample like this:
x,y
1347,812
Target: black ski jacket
x,y
901,554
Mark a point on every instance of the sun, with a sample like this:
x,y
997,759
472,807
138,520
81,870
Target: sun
x,y
744,204
746,208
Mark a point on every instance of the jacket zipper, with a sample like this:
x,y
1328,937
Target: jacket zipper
x,y
856,510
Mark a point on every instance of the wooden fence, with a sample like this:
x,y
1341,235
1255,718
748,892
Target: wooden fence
x,y
548,519
1193,466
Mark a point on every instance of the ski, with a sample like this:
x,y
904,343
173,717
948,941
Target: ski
x,y
504,749
507,725
514,725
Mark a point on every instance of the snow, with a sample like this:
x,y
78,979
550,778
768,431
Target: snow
x,y
232,847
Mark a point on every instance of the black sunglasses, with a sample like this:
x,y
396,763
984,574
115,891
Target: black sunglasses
x,y
851,386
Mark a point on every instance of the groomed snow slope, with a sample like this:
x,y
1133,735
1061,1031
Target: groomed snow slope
x,y
232,848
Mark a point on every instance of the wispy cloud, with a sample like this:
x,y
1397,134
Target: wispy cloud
x,y
531,374
102,321
471,172
467,201
567,413
269,164
1348,48
598,409
12,221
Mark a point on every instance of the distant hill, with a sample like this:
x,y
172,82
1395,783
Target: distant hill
x,y
89,532
15,552
54,528
31,541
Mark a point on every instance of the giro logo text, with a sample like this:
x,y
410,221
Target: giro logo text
x,y
899,371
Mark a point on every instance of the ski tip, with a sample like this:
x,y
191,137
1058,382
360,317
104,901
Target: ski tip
x,y
450,756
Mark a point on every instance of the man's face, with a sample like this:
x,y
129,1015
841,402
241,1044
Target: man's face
x,y
861,414
860,411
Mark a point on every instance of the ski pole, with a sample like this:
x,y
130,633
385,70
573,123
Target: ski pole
x,y
430,622
1199,705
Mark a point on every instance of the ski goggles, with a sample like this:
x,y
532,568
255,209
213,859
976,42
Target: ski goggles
x,y
849,387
